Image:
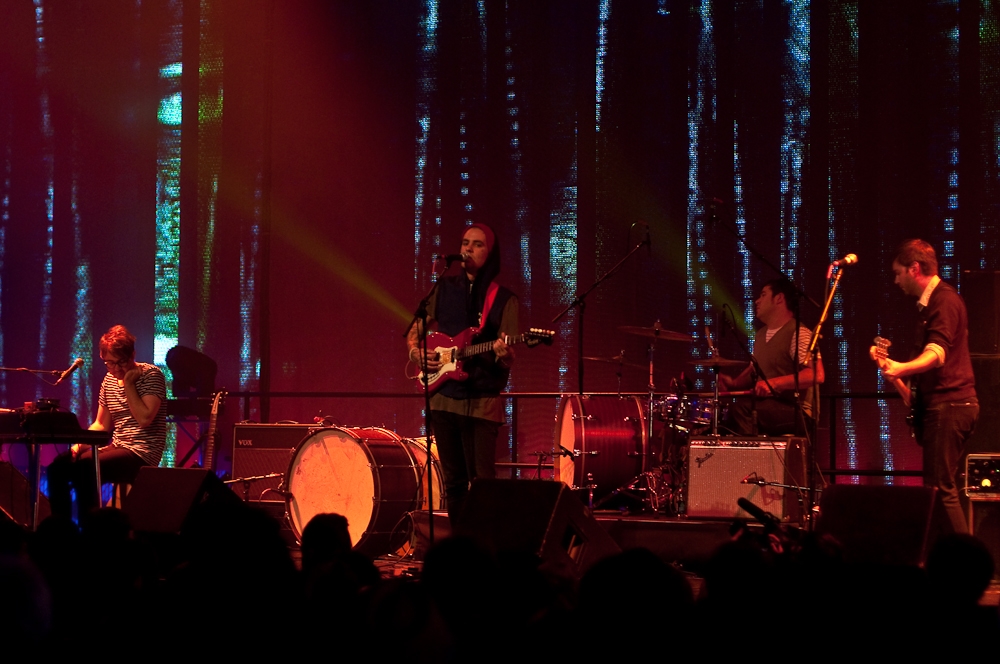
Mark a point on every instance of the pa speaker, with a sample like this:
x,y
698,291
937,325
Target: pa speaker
x,y
984,523
161,499
539,517
885,525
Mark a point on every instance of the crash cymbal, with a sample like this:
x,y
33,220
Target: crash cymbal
x,y
657,332
717,362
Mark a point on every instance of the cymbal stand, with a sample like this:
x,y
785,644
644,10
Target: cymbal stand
x,y
646,482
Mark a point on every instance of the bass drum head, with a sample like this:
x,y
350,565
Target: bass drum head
x,y
354,473
606,436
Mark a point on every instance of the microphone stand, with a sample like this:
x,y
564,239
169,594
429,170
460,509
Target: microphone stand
x,y
813,355
580,302
420,315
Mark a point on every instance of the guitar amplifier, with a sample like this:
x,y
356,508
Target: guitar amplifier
x,y
723,470
264,449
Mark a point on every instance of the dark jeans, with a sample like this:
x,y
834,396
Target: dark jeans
x,y
942,432
467,447
118,465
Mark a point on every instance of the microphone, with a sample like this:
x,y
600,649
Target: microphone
x,y
769,521
849,259
451,258
77,363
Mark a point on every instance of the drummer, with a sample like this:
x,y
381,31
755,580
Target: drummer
x,y
772,411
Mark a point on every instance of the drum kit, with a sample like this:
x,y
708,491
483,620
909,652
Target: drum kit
x,y
607,446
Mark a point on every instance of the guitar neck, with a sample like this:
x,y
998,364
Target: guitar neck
x,y
903,389
487,346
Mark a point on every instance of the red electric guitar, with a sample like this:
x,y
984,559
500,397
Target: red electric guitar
x,y
451,352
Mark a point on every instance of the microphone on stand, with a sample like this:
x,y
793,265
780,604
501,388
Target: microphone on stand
x,y
77,363
451,258
768,520
849,259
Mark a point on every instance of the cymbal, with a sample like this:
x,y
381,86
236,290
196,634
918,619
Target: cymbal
x,y
717,362
657,332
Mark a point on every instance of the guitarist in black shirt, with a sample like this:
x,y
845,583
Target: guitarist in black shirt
x,y
944,402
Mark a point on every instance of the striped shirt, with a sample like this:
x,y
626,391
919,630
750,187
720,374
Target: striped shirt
x,y
147,442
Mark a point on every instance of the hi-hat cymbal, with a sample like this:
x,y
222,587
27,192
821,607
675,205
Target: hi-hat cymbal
x,y
717,362
657,332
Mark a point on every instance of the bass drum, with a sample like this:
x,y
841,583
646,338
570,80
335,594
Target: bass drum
x,y
369,475
599,441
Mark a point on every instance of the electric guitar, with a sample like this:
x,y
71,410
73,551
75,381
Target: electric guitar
x,y
881,354
210,436
451,351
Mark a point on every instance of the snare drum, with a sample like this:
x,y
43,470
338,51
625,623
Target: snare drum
x,y
369,475
599,441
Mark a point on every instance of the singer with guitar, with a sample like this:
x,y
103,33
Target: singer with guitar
x,y
132,405
466,414
943,403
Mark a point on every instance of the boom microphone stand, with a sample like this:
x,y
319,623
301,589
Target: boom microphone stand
x,y
420,317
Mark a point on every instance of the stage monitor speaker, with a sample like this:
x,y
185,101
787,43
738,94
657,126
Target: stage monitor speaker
x,y
161,499
539,517
885,525
981,292
15,497
723,470
264,449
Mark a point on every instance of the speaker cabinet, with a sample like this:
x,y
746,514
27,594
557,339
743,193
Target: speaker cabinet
x,y
264,449
539,517
984,523
981,292
885,525
161,499
723,470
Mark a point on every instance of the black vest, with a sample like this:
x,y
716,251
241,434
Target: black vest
x,y
455,311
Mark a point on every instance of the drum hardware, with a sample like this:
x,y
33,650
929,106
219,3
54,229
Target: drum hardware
x,y
247,481
715,363
598,441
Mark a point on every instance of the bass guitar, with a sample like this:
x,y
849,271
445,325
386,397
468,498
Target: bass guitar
x,y
452,350
880,353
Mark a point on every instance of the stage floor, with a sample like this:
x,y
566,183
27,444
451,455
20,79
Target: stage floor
x,y
684,542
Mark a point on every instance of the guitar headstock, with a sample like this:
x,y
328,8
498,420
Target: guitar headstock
x,y
535,336
882,348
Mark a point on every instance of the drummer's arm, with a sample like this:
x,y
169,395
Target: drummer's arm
x,y
741,382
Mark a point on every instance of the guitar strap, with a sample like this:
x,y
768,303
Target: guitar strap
x,y
491,294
